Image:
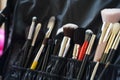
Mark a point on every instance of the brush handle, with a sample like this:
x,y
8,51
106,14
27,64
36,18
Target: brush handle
x,y
28,56
56,48
25,52
67,47
83,50
62,47
83,66
104,29
103,71
44,65
103,58
111,55
75,51
99,51
35,62
94,71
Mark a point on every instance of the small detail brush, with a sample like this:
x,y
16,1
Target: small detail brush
x,y
28,41
85,44
116,28
68,30
50,26
86,58
33,43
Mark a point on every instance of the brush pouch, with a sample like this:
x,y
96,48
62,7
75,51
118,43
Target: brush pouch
x,y
73,67
84,13
63,69
20,73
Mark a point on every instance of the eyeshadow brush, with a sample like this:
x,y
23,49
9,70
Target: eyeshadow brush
x,y
38,27
82,52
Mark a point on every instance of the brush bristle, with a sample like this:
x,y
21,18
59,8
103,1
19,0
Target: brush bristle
x,y
110,15
59,31
79,36
116,28
51,22
68,29
34,19
88,34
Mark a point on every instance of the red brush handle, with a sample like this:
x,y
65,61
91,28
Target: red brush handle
x,y
83,50
79,52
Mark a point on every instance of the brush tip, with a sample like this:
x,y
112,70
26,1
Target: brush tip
x,y
34,19
51,22
116,27
68,29
110,15
88,34
79,36
59,31
70,25
89,31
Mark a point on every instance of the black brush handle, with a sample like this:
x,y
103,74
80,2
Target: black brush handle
x,y
25,51
28,56
111,55
44,65
103,71
83,66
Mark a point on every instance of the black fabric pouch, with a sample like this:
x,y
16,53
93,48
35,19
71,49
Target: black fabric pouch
x,y
57,65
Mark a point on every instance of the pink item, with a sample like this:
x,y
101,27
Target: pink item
x,y
111,15
2,39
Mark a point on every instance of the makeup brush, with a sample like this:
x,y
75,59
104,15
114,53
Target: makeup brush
x,y
115,29
47,54
58,40
79,36
112,52
108,16
68,30
86,58
33,43
113,48
88,35
47,35
94,71
28,41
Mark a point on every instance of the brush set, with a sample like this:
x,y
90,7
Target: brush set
x,y
71,45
